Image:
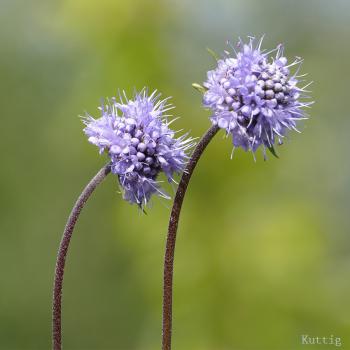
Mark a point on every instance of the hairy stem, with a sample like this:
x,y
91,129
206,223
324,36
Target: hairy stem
x,y
171,239
62,253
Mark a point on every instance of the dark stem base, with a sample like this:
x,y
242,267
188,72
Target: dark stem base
x,y
62,253
171,239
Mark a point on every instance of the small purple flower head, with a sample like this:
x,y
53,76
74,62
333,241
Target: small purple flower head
x,y
255,98
140,144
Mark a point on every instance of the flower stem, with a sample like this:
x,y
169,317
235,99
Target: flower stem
x,y
62,253
171,239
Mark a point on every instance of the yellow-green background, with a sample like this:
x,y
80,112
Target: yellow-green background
x,y
263,252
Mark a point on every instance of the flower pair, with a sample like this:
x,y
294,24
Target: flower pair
x,y
252,96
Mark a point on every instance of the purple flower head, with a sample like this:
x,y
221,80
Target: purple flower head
x,y
140,144
255,98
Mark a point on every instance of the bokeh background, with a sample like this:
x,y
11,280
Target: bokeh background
x,y
263,252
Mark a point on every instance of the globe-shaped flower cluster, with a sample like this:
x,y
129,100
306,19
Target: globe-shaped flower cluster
x,y
255,98
140,144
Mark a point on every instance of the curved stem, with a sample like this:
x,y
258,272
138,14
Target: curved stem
x,y
171,239
62,253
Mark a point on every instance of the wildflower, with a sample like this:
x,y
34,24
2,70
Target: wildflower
x,y
255,98
136,135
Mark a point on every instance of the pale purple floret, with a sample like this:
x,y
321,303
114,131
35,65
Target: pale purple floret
x,y
254,97
140,144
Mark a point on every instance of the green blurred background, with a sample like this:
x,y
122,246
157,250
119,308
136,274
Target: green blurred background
x,y
263,252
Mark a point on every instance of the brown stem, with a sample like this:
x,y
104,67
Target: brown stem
x,y
171,239
62,253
